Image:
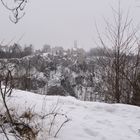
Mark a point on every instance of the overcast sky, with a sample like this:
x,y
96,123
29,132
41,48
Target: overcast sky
x,y
60,22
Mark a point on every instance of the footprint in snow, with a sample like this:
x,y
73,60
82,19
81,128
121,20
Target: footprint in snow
x,y
91,133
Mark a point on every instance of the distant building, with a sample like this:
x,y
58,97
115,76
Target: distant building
x,y
46,48
75,44
58,50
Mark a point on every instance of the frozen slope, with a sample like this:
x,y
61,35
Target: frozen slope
x,y
88,120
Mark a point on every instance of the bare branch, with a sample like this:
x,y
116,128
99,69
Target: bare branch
x,y
16,10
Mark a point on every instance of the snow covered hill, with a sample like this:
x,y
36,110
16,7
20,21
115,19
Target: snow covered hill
x,y
87,120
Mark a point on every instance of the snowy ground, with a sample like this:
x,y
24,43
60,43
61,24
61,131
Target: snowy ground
x,y
88,120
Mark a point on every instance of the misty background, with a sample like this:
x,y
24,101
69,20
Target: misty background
x,y
60,22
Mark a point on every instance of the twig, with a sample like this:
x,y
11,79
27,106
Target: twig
x,y
3,130
61,127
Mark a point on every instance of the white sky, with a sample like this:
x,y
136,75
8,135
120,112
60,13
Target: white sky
x,y
60,22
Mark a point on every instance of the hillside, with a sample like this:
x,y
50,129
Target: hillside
x,y
88,76
86,120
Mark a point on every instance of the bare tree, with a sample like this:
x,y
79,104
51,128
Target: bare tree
x,y
118,44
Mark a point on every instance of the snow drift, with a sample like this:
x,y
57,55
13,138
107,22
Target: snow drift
x,y
87,120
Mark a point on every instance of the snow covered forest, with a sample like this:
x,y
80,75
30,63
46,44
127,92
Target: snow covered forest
x,y
88,76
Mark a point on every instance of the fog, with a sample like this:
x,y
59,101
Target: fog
x,y
60,22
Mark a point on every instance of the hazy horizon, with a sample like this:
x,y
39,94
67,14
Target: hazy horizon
x,y
59,23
